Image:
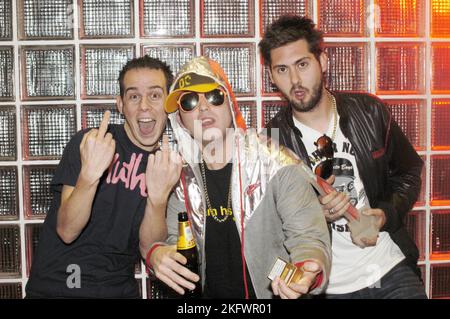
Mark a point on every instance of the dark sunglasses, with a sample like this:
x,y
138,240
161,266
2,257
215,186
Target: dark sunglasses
x,y
188,101
325,150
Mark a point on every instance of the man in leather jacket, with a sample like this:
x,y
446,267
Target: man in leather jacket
x,y
371,163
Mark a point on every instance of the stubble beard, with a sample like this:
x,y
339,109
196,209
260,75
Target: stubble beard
x,y
316,95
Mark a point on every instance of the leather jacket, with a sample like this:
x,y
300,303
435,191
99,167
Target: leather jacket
x,y
389,166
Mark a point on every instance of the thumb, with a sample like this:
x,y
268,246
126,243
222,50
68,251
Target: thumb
x,y
178,159
370,212
311,266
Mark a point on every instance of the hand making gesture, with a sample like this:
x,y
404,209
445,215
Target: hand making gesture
x,y
97,150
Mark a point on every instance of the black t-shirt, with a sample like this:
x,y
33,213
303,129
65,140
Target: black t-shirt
x,y
106,251
224,278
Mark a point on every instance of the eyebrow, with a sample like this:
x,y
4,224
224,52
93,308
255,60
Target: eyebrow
x,y
296,62
149,87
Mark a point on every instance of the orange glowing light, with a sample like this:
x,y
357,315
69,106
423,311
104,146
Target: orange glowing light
x,y
441,68
440,18
402,18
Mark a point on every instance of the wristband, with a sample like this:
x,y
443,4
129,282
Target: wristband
x,y
149,254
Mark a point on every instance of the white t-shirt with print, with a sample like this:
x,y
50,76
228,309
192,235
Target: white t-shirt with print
x,y
353,268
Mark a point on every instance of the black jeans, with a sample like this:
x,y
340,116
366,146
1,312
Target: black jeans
x,y
401,282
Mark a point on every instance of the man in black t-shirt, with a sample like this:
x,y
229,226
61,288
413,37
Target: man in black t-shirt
x,y
110,194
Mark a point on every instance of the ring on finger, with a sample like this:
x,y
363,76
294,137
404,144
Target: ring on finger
x,y
331,211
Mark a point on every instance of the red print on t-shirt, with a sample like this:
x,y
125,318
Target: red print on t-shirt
x,y
127,173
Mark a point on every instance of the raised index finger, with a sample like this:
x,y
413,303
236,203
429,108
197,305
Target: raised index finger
x,y
104,124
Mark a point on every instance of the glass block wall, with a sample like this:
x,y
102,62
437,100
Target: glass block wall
x,y
59,61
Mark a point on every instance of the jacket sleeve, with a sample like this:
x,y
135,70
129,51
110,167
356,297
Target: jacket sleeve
x,y
304,226
174,206
404,176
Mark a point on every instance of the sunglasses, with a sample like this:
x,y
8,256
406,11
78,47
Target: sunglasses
x,y
188,101
325,150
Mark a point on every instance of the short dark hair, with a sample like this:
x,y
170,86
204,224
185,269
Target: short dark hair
x,y
287,29
146,62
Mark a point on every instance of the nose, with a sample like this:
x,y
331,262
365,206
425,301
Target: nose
x,y
203,105
295,78
145,104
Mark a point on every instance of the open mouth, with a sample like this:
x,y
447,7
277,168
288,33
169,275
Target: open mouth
x,y
299,94
207,121
146,125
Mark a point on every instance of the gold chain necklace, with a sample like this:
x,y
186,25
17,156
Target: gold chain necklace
x,y
208,202
333,134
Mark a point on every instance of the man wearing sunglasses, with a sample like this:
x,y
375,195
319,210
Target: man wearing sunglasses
x,y
246,199
353,142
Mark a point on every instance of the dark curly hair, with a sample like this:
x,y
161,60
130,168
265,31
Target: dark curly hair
x,y
145,62
287,29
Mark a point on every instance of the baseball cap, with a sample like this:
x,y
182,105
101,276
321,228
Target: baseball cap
x,y
197,76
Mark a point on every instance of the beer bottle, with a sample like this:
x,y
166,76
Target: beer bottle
x,y
187,247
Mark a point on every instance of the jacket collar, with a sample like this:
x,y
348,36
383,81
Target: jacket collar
x,y
287,117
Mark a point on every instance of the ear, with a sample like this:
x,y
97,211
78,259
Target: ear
x,y
119,104
323,59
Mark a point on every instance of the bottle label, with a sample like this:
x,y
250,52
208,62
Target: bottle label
x,y
186,239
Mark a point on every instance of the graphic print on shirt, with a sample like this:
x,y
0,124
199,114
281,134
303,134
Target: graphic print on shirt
x,y
121,171
352,267
345,178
